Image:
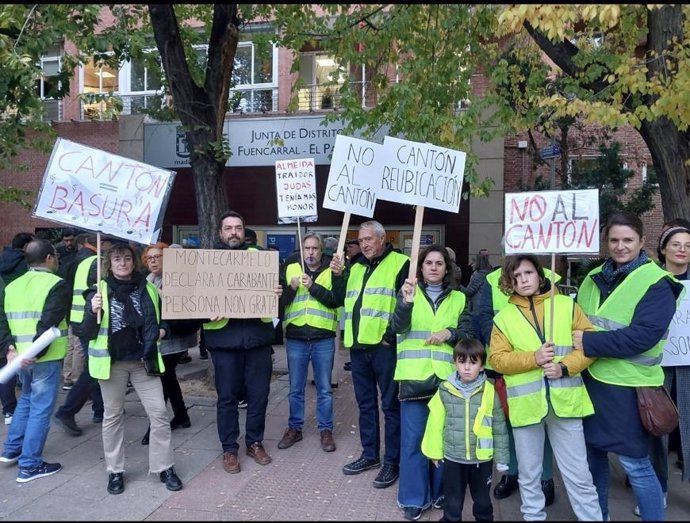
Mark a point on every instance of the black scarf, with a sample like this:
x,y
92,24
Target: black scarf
x,y
610,273
122,291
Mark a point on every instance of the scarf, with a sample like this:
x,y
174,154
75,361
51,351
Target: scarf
x,y
122,291
611,274
466,389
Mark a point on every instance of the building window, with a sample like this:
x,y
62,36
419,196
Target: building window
x,y
581,164
317,69
100,83
144,84
254,88
649,175
48,84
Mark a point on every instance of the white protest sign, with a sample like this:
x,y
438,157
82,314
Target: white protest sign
x,y
30,352
552,222
420,174
352,180
95,190
296,188
205,283
677,348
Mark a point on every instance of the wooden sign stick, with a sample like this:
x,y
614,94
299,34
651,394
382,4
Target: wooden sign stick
x,y
299,237
416,236
98,270
552,292
341,238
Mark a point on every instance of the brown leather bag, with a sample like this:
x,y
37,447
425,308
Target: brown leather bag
x,y
658,412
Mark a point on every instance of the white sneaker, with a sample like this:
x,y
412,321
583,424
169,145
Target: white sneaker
x,y
636,510
8,419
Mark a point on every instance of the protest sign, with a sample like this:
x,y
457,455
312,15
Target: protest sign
x,y
677,348
296,188
207,283
95,190
30,352
552,222
420,174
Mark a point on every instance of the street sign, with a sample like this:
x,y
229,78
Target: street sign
x,y
552,151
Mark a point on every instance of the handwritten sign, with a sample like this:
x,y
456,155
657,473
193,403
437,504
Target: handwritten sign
x,y
552,222
352,178
677,348
94,190
420,174
205,283
296,188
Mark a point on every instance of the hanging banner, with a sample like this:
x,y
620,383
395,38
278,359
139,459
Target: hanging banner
x,y
296,190
352,180
98,191
552,222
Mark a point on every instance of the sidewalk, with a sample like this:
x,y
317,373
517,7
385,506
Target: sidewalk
x,y
303,483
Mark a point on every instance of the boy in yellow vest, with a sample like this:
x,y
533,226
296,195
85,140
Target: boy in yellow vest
x,y
448,429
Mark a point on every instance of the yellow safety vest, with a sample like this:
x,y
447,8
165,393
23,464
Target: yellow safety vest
x,y
499,299
527,403
25,298
99,355
81,277
304,308
378,300
217,325
617,312
416,360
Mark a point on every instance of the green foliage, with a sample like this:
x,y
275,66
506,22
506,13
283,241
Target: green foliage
x,y
607,173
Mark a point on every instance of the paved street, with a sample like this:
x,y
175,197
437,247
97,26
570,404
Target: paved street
x,y
302,483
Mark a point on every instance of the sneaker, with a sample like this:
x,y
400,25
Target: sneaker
x,y
347,365
412,513
69,425
636,510
67,385
547,487
97,418
290,437
43,470
360,465
387,475
203,357
242,404
8,418
438,504
10,459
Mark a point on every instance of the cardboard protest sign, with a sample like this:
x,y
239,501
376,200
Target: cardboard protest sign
x,y
420,174
296,190
206,283
352,178
677,348
95,190
552,222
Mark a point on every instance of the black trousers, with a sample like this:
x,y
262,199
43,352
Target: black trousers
x,y
171,387
456,478
84,388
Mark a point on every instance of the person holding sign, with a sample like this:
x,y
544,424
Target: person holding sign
x,y
34,303
373,283
430,318
310,318
631,301
545,392
240,349
124,348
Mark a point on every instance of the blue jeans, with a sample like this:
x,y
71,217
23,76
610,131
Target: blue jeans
x,y
31,422
642,478
421,483
320,353
372,367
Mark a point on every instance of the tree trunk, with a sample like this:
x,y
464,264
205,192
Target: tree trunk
x,y
211,197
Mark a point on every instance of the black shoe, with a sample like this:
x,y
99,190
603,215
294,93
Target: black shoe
x,y
506,486
172,482
180,423
360,465
185,359
116,483
387,475
549,491
412,513
69,425
203,357
145,439
347,365
97,418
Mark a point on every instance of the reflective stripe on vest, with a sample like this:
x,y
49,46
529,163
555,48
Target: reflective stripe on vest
x,y
304,308
378,299
416,360
483,423
99,355
617,312
81,277
527,403
25,299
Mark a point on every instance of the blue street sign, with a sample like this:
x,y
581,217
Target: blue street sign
x,y
552,151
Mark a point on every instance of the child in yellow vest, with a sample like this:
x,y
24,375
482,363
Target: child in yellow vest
x,y
448,428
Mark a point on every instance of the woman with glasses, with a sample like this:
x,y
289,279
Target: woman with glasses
x,y
183,335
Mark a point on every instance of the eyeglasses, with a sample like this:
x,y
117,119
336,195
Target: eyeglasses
x,y
677,246
154,257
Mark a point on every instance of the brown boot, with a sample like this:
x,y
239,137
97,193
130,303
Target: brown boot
x,y
256,450
290,437
231,464
327,442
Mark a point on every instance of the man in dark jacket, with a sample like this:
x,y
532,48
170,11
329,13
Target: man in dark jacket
x,y
240,349
12,262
